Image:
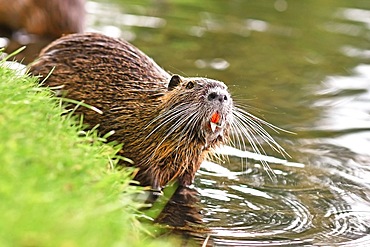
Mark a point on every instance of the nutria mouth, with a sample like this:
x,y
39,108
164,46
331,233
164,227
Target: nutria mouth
x,y
167,124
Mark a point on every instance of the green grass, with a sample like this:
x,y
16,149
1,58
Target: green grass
x,y
58,186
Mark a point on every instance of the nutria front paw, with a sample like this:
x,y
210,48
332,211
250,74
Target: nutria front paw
x,y
186,180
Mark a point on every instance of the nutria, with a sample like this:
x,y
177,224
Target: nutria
x,y
51,18
168,124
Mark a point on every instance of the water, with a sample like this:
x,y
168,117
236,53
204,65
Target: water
x,y
301,65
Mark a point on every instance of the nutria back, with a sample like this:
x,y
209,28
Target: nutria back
x,y
168,124
50,18
106,73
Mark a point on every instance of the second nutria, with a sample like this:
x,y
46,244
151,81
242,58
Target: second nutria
x,y
168,124
50,18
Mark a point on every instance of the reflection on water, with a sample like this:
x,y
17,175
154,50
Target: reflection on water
x,y
116,22
305,66
308,73
342,98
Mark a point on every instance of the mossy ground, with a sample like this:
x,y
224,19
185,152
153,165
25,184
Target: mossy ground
x,y
58,186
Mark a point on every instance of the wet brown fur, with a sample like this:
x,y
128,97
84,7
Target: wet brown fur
x,y
132,91
51,18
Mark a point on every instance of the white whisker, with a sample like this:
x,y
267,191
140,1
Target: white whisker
x,y
250,127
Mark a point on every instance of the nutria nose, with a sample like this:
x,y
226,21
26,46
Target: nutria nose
x,y
217,96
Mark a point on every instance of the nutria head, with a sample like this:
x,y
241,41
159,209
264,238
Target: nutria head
x,y
193,117
200,106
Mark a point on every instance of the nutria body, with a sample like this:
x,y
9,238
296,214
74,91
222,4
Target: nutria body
x,y
168,124
50,18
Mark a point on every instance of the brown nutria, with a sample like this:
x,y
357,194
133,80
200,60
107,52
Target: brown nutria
x,y
51,18
167,123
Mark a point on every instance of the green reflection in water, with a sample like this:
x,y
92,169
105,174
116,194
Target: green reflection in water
x,y
275,56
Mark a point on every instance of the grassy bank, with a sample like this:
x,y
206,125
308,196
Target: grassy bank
x,y
57,185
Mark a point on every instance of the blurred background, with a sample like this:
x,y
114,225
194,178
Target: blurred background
x,y
300,65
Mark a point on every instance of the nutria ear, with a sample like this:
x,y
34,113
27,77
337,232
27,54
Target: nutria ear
x,y
174,82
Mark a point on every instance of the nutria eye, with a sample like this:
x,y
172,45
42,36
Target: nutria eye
x,y
190,85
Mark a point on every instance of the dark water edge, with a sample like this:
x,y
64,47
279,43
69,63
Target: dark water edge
x,y
300,65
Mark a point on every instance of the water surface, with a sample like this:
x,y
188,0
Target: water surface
x,y
301,65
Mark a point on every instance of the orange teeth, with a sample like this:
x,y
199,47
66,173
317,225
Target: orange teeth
x,y
215,118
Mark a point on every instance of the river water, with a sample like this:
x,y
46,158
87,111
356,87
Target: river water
x,y
301,65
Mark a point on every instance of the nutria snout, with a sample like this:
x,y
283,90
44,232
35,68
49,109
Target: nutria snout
x,y
168,124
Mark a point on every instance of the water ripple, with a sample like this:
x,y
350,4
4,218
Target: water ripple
x,y
312,206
